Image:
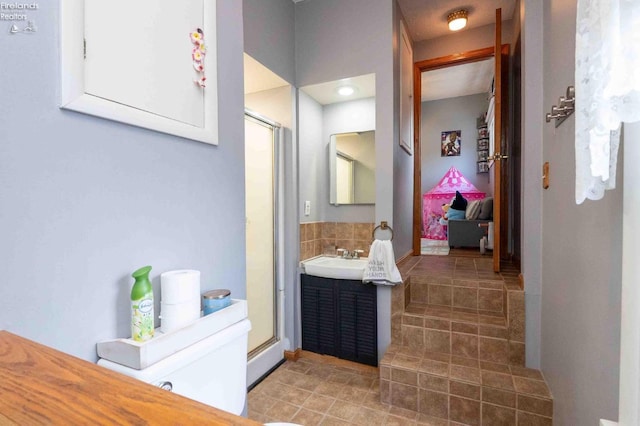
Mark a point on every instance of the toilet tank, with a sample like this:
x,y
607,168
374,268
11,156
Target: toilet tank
x,y
212,371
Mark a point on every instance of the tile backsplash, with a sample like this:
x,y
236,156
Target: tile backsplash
x,y
318,238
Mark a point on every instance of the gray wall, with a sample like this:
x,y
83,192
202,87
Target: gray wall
x,y
463,41
336,39
86,201
269,35
313,159
452,114
342,117
581,256
402,161
533,107
630,334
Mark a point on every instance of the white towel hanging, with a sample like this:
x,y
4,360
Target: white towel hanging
x,y
382,269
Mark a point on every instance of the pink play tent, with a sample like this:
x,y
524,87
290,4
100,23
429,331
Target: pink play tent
x,y
440,194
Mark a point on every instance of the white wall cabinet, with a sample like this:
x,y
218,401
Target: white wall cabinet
x,y
132,62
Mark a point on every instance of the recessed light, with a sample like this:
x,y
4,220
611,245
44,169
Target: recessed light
x,y
457,20
346,91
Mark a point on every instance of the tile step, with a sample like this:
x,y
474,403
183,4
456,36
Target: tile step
x,y
417,312
461,333
465,390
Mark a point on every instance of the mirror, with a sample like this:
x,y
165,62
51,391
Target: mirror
x,y
352,168
331,112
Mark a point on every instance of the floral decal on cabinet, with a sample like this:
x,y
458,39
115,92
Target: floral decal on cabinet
x,y
197,55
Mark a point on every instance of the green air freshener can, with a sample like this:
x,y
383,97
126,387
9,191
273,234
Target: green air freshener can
x,y
142,306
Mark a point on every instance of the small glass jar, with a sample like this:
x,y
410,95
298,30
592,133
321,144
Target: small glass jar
x,y
214,300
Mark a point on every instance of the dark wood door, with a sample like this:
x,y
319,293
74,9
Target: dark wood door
x,y
497,155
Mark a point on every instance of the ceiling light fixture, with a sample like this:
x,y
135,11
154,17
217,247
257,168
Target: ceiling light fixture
x,y
346,90
457,20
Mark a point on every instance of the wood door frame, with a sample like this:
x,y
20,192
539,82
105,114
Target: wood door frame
x,y
418,68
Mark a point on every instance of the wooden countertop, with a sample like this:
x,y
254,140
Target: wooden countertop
x,y
40,385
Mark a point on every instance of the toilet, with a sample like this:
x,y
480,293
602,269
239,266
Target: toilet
x,y
212,371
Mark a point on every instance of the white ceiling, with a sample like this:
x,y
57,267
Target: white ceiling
x,y
327,93
427,19
257,77
459,80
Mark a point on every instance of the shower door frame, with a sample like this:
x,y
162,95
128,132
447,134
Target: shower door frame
x,y
270,353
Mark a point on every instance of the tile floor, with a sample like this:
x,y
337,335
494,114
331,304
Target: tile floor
x,y
467,391
323,390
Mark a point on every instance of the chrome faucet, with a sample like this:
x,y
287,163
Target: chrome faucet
x,y
345,253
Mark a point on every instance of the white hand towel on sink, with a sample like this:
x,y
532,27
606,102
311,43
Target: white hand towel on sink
x,y
382,269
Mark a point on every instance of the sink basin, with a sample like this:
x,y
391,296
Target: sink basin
x,y
335,267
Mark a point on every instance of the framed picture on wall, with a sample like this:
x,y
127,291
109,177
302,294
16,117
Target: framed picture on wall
x,y
483,167
483,144
483,155
450,143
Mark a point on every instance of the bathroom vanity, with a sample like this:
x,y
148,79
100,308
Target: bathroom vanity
x,y
339,318
40,385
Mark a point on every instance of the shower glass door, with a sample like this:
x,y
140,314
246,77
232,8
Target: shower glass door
x,y
261,230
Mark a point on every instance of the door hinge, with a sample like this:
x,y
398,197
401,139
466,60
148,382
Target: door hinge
x,y
84,47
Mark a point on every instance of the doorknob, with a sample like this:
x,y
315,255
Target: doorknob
x,y
497,157
494,157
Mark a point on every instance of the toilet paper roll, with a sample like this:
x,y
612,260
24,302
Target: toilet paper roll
x,y
189,308
179,286
174,316
173,323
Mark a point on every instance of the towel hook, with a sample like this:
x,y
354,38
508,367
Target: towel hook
x,y
566,106
384,226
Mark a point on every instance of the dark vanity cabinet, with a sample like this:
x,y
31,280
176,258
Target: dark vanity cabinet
x,y
339,318
319,315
